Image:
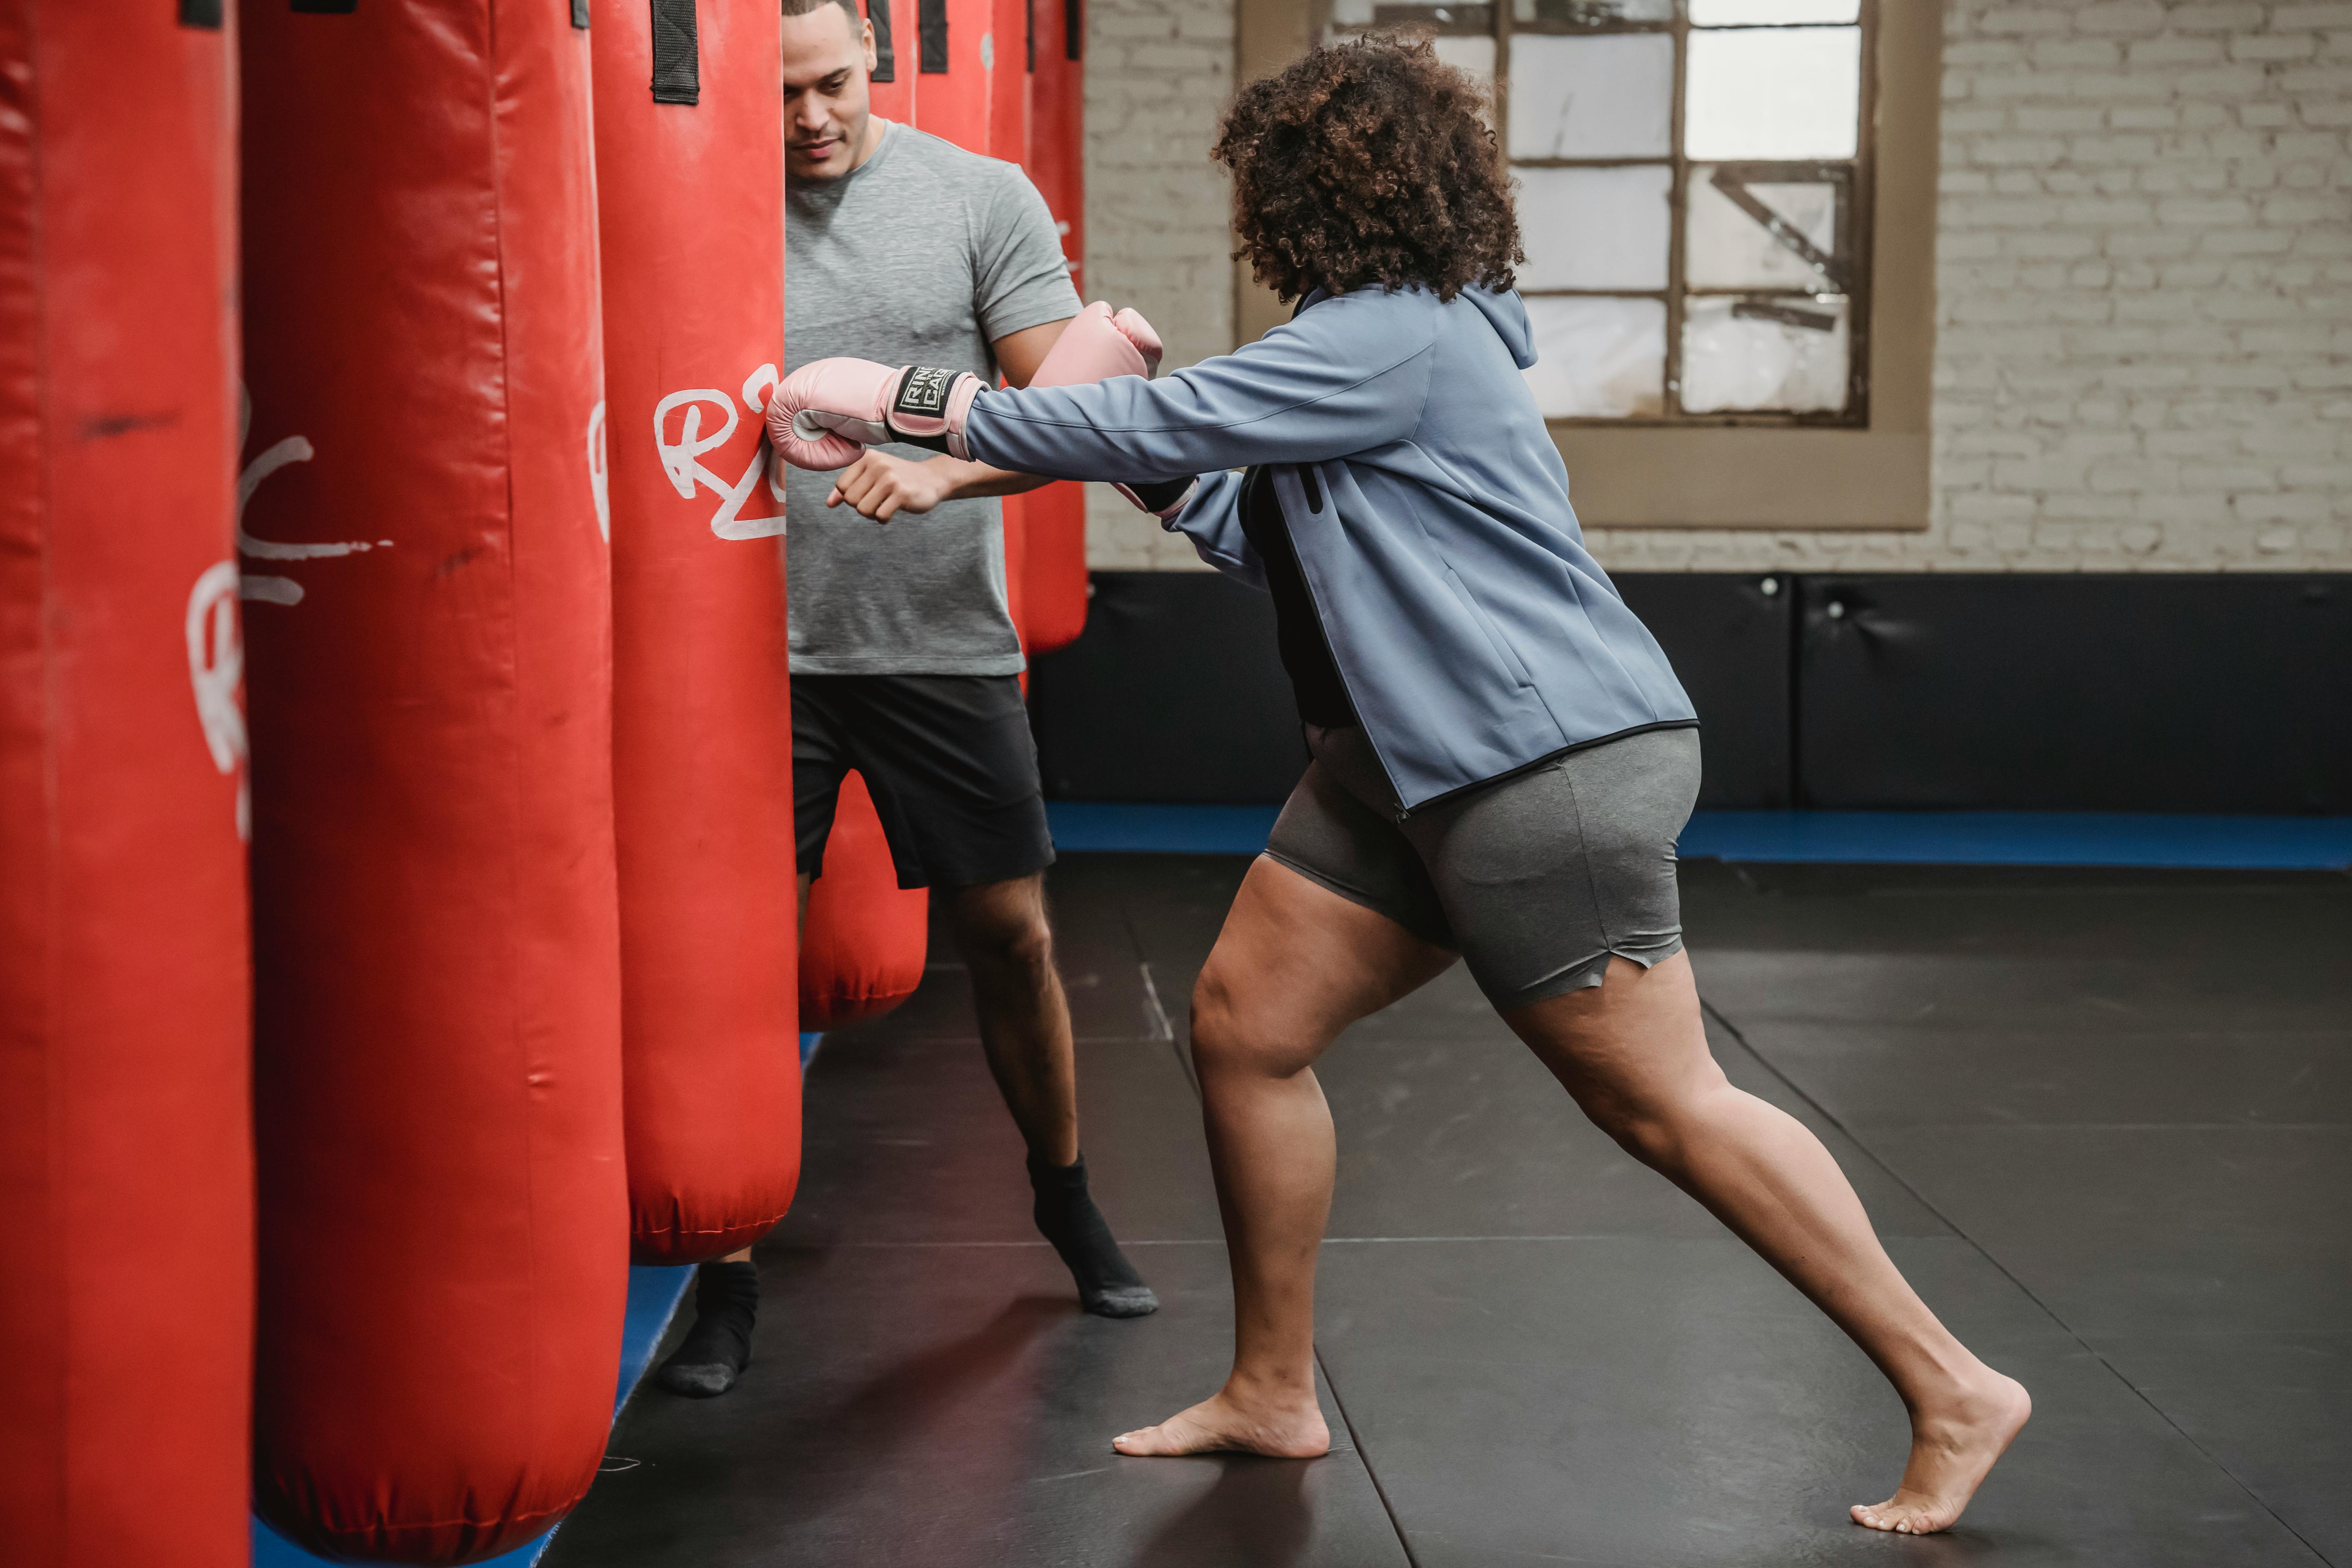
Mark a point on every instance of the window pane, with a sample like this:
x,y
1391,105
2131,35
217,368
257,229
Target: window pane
x,y
1610,96
1476,56
1598,358
1727,249
1754,12
1774,94
1589,12
1594,228
1351,12
1785,355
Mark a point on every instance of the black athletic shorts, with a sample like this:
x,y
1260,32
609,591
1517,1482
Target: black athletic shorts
x,y
950,762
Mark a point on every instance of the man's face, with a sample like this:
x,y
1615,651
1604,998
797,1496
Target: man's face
x,y
827,55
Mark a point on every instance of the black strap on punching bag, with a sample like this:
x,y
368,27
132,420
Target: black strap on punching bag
x,y
1074,30
677,66
886,64
931,22
317,7
580,14
200,13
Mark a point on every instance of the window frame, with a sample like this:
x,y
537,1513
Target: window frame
x,y
1778,472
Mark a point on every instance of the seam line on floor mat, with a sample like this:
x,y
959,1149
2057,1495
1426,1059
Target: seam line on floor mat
x,y
1716,1013
1365,1460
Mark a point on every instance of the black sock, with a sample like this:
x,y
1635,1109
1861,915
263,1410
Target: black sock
x,y
1109,1284
719,1347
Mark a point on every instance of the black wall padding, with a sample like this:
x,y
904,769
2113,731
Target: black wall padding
x,y
2122,692
886,64
931,30
1174,692
677,61
1728,637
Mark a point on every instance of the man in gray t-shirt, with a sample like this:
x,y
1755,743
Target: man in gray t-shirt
x,y
905,248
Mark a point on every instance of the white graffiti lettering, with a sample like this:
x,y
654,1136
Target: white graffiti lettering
x,y
599,478
217,670
681,460
291,450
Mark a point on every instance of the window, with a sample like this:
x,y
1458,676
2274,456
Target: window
x,y
1694,192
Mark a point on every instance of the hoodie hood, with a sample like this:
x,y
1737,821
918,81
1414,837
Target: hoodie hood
x,y
1508,316
1505,312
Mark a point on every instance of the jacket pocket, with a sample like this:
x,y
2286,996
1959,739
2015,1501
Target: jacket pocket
x,y
1503,654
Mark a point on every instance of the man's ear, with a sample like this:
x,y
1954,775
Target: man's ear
x,y
873,60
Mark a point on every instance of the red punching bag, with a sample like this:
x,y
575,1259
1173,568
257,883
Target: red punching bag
x,y
126,1158
892,87
690,194
866,939
1053,562
444,1241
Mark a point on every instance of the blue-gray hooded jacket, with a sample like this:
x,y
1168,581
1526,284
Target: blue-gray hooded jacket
x,y
1428,505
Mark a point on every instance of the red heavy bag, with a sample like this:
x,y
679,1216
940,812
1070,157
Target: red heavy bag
x,y
126,1157
444,1241
1053,565
866,938
690,192
892,91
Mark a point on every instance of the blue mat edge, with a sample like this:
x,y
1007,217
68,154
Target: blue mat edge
x,y
654,1297
1852,838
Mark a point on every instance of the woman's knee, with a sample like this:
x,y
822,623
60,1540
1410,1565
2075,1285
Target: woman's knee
x,y
1231,1034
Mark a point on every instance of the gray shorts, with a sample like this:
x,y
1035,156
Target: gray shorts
x,y
1536,879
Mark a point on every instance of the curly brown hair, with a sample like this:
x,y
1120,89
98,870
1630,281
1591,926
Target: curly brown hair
x,y
1369,164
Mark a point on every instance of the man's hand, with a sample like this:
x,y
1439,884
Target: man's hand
x,y
881,486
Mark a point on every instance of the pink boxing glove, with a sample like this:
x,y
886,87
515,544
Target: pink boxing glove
x,y
1096,346
829,411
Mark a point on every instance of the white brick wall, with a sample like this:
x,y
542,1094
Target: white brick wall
x,y
1158,234
2145,283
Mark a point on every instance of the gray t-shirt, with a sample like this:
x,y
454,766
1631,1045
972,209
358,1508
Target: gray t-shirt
x,y
924,254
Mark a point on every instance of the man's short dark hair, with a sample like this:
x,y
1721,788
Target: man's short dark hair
x,y
803,7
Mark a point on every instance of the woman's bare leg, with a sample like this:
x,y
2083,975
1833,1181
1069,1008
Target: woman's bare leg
x,y
1632,1051
1294,965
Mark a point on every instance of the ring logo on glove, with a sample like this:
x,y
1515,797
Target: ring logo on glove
x,y
924,391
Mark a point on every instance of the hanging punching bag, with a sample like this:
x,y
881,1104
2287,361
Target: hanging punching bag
x,y
443,1260
690,192
1053,565
126,1159
866,939
891,89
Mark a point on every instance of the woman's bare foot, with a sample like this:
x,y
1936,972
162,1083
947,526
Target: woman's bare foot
x,y
1287,1430
1952,1448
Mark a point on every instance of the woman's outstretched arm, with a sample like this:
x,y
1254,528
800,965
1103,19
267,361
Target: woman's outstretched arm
x,y
1339,379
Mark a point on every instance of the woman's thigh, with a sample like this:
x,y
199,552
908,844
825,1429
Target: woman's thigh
x,y
1294,965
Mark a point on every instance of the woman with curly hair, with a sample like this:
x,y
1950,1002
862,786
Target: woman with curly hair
x,y
1502,758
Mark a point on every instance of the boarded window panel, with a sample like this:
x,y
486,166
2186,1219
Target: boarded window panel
x,y
1594,228
1598,358
1476,56
1766,13
1784,356
1608,96
1726,247
1769,93
1589,12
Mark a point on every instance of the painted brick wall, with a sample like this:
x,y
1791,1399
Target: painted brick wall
x,y
1158,235
2145,283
